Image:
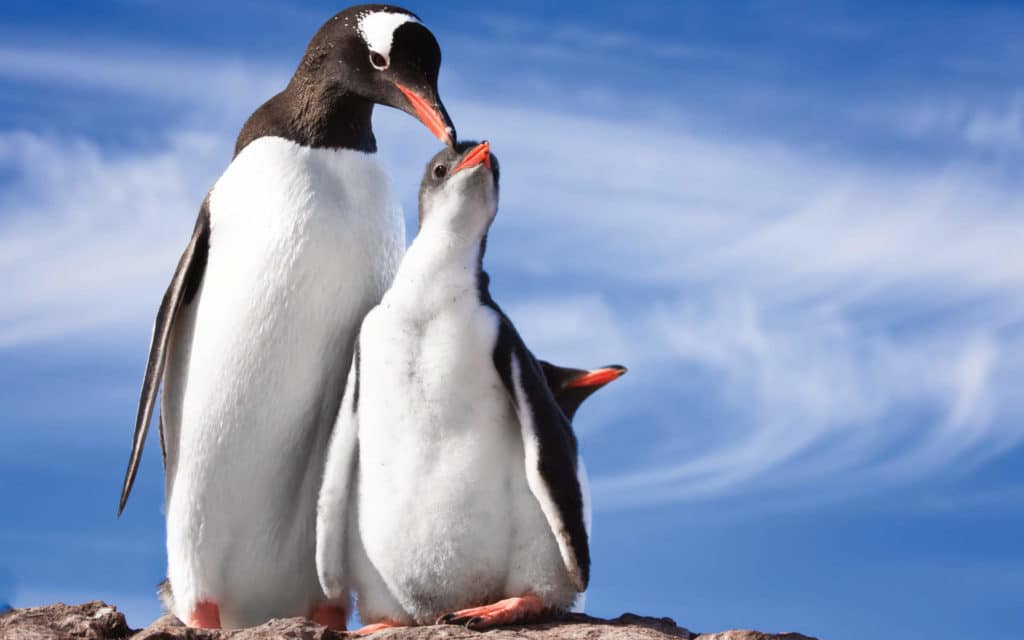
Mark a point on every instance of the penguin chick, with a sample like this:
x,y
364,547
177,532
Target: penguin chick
x,y
478,516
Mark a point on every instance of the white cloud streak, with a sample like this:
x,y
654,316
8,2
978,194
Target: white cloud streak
x,y
802,401
88,237
997,126
210,84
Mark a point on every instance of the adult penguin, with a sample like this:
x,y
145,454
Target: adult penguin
x,y
298,238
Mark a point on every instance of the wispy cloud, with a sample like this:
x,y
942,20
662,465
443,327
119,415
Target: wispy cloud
x,y
90,236
799,399
996,125
211,84
574,41
998,128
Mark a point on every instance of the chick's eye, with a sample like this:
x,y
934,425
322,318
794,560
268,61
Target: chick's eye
x,y
440,171
378,61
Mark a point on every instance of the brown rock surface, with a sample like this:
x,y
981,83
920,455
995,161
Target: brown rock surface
x,y
90,621
100,621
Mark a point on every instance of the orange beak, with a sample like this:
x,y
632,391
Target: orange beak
x,y
481,153
428,115
597,377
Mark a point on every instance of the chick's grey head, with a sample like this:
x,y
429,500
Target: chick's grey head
x,y
460,189
384,54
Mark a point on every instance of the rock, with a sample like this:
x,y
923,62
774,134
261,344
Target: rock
x,y
170,628
90,621
99,621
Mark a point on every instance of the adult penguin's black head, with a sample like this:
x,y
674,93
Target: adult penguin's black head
x,y
365,55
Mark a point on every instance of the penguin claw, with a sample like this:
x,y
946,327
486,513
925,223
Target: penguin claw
x,y
502,612
452,618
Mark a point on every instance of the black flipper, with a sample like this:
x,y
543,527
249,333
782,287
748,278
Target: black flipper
x,y
550,447
183,288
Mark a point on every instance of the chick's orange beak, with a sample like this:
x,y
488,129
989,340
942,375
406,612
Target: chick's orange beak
x,y
481,153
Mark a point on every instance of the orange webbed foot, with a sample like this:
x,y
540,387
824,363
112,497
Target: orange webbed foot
x,y
206,615
377,626
502,612
332,616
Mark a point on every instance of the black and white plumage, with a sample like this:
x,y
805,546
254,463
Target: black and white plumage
x,y
298,238
451,476
570,387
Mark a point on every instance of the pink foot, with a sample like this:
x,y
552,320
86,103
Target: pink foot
x,y
377,626
502,612
331,616
206,615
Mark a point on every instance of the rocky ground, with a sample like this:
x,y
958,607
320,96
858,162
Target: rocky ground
x,y
100,621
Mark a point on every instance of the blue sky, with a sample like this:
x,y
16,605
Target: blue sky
x,y
799,224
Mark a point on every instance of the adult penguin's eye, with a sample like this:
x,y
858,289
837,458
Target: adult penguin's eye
x,y
440,171
378,61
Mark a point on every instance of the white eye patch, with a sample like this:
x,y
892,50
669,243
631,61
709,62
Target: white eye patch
x,y
378,31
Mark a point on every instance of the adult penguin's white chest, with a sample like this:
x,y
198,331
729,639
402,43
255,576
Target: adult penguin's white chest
x,y
302,243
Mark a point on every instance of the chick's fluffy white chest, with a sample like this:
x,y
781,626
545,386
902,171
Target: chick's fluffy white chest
x,y
445,515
